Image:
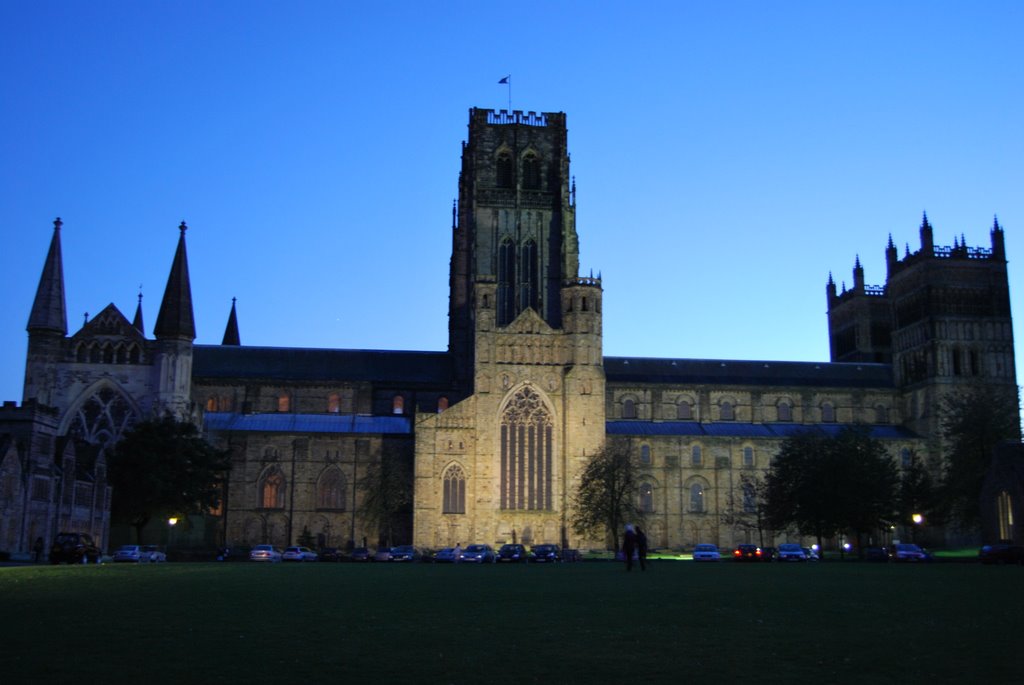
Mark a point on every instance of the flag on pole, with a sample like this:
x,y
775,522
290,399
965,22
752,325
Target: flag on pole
x,y
504,80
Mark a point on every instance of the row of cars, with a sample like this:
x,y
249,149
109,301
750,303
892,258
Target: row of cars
x,y
471,554
790,551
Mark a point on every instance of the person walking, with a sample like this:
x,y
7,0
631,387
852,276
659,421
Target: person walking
x,y
641,548
629,545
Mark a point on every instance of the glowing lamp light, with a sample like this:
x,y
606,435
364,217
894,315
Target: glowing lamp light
x,y
172,521
917,518
846,546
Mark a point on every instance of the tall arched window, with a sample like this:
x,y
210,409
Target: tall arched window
x,y
527,452
828,413
749,497
272,490
503,170
284,402
331,489
628,409
442,404
530,288
725,411
454,495
697,498
103,418
748,456
684,412
398,405
531,172
645,454
333,403
696,458
785,411
646,498
506,282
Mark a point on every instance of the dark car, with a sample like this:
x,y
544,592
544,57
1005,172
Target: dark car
x,y
74,548
877,554
768,553
405,553
747,553
360,554
513,553
331,554
1001,553
478,554
543,553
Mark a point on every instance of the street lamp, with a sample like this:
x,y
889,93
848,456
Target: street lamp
x,y
917,519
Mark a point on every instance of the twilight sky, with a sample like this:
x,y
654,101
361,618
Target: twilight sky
x,y
727,156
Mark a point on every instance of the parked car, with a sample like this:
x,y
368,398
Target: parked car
x,y
545,553
513,553
478,554
811,554
444,556
790,551
877,554
153,554
128,554
236,553
405,553
1002,553
360,554
265,553
382,554
907,551
706,552
330,554
298,554
747,552
74,548
768,553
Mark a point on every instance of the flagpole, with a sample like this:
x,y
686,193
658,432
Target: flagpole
x,y
508,81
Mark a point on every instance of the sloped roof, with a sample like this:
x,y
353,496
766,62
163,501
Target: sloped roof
x,y
738,429
309,364
731,372
308,423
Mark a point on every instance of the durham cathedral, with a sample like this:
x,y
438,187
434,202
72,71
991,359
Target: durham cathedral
x,y
496,429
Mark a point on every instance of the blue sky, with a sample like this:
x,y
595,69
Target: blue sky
x,y
727,156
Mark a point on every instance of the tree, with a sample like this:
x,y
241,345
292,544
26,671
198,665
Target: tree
x,y
747,508
822,484
973,422
917,493
386,486
608,494
163,467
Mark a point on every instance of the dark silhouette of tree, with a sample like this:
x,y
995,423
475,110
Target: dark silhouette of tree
x,y
608,495
161,468
747,507
820,484
974,420
386,486
917,493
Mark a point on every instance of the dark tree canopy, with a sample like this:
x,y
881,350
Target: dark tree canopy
x,y
608,494
821,484
974,421
386,487
164,467
747,507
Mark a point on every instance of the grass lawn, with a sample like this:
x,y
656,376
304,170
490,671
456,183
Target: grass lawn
x,y
589,622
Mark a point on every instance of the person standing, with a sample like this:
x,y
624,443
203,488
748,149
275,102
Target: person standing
x,y
629,545
37,549
641,548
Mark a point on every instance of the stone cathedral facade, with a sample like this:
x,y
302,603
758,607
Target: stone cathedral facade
x,y
497,429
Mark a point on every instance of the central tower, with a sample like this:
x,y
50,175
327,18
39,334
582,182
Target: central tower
x,y
514,225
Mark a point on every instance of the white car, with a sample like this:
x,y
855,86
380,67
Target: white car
x,y
705,552
129,553
299,554
790,551
152,554
265,553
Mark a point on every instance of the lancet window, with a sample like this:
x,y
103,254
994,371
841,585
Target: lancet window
x,y
526,452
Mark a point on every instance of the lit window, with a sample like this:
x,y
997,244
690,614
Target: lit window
x,y
646,498
696,498
272,491
284,403
442,404
333,403
398,405
211,404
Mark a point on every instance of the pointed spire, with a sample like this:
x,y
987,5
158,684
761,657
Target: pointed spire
x,y
48,310
956,243
175,317
830,281
891,245
924,220
995,223
927,240
137,321
906,248
231,330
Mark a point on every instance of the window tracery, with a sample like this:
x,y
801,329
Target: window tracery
x,y
526,452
